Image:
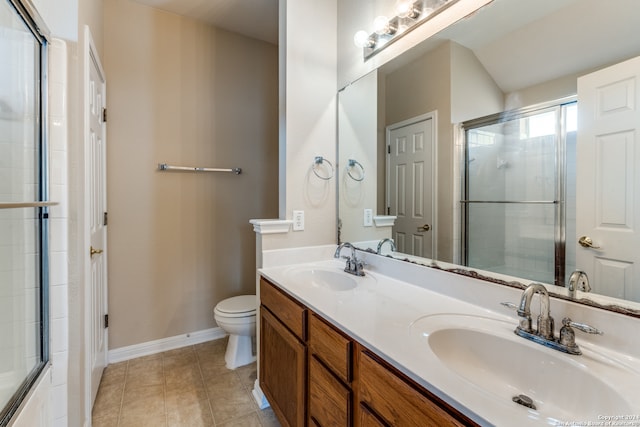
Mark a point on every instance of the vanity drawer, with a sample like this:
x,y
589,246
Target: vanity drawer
x,y
329,399
331,346
291,313
395,400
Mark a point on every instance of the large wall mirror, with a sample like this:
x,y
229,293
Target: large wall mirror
x,y
469,149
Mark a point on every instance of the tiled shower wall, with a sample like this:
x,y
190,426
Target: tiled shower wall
x,y
58,244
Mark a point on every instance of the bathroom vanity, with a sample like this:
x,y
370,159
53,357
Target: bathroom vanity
x,y
313,372
397,348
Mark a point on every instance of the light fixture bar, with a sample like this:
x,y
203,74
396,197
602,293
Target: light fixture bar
x,y
410,15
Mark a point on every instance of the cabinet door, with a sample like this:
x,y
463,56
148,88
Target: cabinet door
x,y
282,370
329,399
396,401
367,419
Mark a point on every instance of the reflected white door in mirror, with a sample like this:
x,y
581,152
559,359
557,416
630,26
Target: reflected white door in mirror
x,y
608,185
410,182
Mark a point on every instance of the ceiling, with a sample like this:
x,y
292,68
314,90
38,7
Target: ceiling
x,y
257,19
522,43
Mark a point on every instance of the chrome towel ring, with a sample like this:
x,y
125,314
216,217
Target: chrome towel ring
x,y
351,165
319,160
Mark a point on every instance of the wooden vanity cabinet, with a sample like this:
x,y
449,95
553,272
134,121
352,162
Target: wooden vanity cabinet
x,y
313,374
387,399
330,375
283,354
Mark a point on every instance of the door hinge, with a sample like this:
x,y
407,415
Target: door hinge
x,y
106,321
388,210
388,149
104,115
104,219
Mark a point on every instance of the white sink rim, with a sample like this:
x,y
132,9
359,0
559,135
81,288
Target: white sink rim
x,y
432,328
329,278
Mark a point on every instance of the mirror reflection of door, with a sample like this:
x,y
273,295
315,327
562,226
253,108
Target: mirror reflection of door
x,y
410,183
608,202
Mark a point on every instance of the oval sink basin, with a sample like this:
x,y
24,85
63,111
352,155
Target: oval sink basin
x,y
324,278
486,353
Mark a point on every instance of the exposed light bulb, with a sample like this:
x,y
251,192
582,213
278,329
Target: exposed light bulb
x,y
407,9
381,25
362,39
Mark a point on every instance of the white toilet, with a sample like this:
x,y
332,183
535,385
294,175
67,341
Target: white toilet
x,y
237,317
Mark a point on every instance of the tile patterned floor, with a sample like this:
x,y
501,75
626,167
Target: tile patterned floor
x,y
187,387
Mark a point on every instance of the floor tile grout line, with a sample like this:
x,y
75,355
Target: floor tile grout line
x,y
164,392
206,391
124,385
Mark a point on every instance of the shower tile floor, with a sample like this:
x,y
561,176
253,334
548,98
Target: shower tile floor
x,y
189,386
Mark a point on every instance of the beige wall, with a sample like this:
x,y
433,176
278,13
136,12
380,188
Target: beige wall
x,y
444,80
184,93
418,88
474,93
357,133
307,119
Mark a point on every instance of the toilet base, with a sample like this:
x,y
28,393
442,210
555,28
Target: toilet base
x,y
239,351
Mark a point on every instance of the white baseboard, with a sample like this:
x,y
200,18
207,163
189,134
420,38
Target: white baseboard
x,y
158,346
259,396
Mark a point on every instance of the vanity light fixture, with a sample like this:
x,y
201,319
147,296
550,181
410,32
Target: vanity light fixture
x,y
383,26
410,13
407,9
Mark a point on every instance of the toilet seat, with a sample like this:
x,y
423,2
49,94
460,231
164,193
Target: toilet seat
x,y
240,306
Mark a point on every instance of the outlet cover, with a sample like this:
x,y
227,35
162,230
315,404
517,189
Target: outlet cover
x,y
298,220
368,218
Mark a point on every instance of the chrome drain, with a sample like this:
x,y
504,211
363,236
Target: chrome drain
x,y
524,400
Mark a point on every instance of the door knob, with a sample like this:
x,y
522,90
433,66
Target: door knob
x,y
94,251
586,242
425,227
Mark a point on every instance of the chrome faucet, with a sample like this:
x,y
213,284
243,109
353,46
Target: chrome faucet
x,y
354,266
543,334
382,242
578,281
545,321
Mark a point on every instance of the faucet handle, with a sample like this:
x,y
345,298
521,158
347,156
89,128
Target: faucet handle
x,y
525,320
581,326
509,305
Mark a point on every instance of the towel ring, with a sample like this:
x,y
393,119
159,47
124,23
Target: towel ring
x,y
353,163
318,161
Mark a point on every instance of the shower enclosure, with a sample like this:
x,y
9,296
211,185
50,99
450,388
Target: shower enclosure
x,y
24,297
519,192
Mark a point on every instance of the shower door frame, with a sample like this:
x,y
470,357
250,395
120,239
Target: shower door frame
x,y
34,23
559,201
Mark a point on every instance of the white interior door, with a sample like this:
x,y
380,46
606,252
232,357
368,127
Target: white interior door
x,y
608,184
411,184
95,153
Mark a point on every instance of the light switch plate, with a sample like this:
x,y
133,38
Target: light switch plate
x,y
298,220
368,218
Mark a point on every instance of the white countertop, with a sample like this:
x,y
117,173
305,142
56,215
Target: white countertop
x,y
380,312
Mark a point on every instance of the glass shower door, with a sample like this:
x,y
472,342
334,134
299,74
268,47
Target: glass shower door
x,y
23,209
513,196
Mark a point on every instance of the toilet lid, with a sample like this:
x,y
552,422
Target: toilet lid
x,y
238,305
